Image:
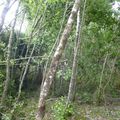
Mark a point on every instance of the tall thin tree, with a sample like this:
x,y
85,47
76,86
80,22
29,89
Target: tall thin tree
x,y
71,93
25,72
8,57
55,61
72,85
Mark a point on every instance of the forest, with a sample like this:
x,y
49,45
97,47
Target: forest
x,y
59,59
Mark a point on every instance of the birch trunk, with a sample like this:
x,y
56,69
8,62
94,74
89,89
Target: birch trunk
x,y
8,59
80,23
71,92
55,61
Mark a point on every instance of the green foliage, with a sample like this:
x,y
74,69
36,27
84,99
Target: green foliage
x,y
85,97
55,1
14,112
99,11
100,36
61,111
1,82
23,110
66,75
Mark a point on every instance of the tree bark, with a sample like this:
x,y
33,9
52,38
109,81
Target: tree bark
x,y
25,72
8,59
71,93
72,85
36,21
17,42
54,46
55,61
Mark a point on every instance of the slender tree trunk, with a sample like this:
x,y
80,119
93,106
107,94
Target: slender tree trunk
x,y
8,59
99,91
55,61
24,74
54,46
102,72
36,22
111,72
22,77
72,85
17,42
71,93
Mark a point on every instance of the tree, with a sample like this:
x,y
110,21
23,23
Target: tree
x,y
8,58
55,61
72,85
71,92
24,73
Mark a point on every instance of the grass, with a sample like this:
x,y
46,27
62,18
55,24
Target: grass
x,y
81,111
92,112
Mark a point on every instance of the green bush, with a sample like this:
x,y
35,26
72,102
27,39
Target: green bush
x,y
61,110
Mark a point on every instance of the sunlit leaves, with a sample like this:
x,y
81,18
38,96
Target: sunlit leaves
x,y
54,1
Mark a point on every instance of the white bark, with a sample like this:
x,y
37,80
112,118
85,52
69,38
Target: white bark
x,y
55,61
72,85
8,59
71,93
54,46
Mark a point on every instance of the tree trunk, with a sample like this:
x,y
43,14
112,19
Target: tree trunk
x,y
55,61
71,93
54,46
17,42
25,72
36,22
8,59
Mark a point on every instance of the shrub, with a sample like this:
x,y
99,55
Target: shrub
x,y
61,110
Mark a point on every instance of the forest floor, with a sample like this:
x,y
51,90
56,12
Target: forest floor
x,y
91,112
82,112
27,110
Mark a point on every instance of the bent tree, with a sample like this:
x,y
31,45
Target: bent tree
x,y
55,61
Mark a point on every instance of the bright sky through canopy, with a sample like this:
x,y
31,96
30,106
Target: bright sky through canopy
x,y
116,5
11,13
10,16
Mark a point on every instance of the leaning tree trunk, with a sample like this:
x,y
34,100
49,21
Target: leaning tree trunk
x,y
24,73
55,61
71,93
8,59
